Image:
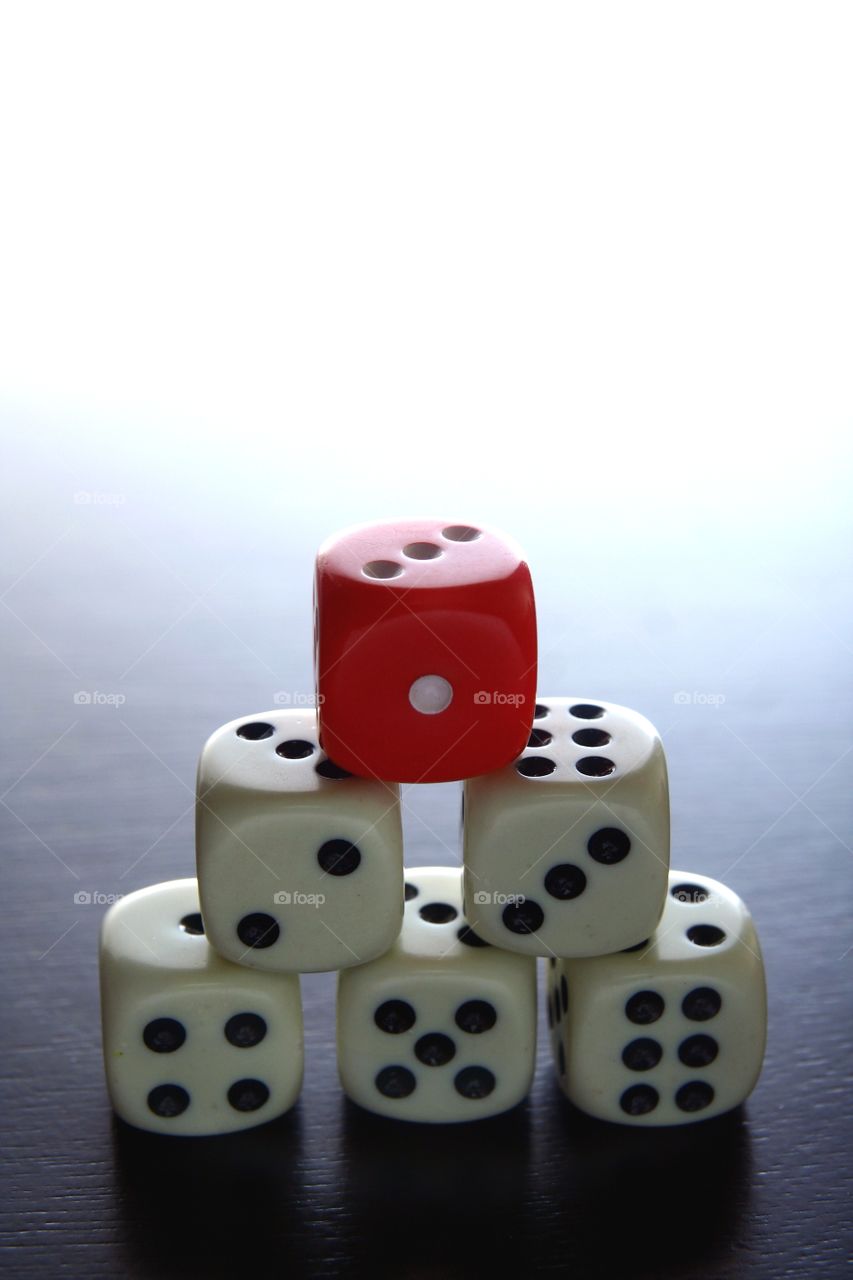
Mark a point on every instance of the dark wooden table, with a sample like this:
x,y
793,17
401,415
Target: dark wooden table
x,y
153,594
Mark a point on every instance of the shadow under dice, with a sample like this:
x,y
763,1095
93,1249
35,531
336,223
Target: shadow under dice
x,y
425,650
669,1031
567,848
300,865
442,1029
192,1043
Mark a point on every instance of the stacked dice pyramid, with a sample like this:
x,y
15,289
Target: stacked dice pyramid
x,y
425,661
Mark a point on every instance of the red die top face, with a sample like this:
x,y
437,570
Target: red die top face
x,y
425,650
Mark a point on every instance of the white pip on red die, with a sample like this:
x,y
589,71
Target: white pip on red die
x,y
669,1031
567,849
443,1027
300,865
192,1043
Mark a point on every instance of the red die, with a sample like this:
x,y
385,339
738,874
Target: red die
x,y
425,650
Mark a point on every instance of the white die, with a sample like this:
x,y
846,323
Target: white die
x,y
443,1027
192,1043
300,865
670,1031
567,849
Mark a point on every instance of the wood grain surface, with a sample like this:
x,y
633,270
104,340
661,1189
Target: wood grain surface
x,y
182,584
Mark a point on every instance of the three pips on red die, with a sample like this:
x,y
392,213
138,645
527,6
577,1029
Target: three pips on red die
x,y
425,650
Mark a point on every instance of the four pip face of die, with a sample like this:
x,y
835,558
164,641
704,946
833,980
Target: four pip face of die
x,y
669,1031
300,865
567,847
425,650
442,1028
192,1043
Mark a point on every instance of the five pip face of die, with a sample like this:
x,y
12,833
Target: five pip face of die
x,y
567,848
300,865
192,1043
442,1028
425,650
670,1031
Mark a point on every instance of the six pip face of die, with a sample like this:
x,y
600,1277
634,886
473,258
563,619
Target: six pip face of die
x,y
300,864
442,1028
193,1044
672,1030
425,650
566,849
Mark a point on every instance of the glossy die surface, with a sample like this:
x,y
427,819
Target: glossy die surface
x,y
567,848
443,1028
300,865
672,1031
425,650
192,1043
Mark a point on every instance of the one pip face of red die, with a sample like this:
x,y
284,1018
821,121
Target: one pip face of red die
x,y
425,650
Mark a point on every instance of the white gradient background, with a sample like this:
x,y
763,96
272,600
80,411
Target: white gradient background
x,y
581,271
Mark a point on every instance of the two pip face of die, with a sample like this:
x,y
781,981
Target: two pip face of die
x,y
192,1043
672,1030
442,1028
300,865
425,650
567,847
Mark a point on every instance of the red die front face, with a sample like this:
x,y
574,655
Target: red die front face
x,y
425,650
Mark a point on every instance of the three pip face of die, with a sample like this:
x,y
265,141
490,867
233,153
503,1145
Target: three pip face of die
x,y
671,1031
192,1043
300,865
567,848
442,1028
425,650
